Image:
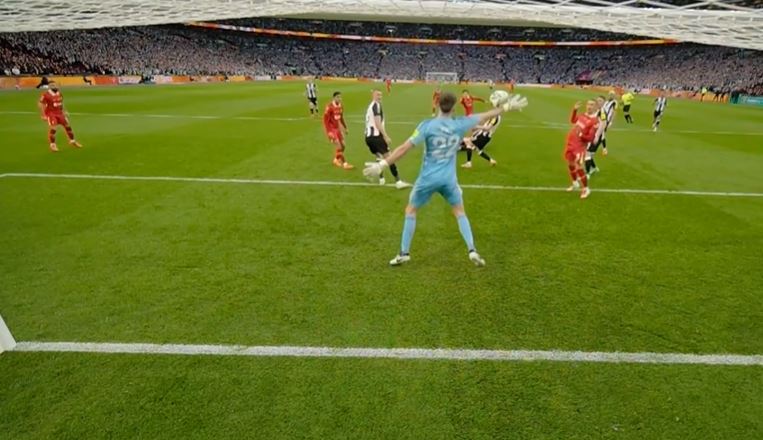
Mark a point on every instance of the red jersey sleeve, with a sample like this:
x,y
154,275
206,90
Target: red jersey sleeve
x,y
574,116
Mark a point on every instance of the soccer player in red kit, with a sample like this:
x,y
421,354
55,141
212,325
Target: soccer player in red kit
x,y
467,100
52,111
333,117
436,100
580,135
388,82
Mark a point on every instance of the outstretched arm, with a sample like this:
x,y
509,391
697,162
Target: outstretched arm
x,y
488,115
517,102
373,170
574,115
397,153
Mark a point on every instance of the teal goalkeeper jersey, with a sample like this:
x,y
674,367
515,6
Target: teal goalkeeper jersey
x,y
442,138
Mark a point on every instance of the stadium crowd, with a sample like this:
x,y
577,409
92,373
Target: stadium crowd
x,y
196,51
433,31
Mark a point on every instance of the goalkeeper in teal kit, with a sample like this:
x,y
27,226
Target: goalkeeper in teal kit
x,y
442,138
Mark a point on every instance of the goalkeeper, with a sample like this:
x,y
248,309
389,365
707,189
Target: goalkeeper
x,y
442,138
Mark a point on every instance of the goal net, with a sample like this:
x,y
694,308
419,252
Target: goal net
x,y
441,77
718,22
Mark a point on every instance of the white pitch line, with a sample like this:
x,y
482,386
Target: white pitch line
x,y
393,353
366,184
543,125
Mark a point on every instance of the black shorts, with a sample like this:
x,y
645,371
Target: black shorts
x,y
626,108
480,142
377,145
313,101
657,114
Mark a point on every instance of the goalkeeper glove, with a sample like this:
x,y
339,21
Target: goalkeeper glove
x,y
373,170
517,102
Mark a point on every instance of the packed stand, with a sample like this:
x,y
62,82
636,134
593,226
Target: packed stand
x,y
431,31
194,51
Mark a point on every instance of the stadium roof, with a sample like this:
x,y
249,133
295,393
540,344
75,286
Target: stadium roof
x,y
732,23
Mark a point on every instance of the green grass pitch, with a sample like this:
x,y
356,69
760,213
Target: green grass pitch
x,y
263,264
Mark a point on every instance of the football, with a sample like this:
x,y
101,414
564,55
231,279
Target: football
x,y
499,97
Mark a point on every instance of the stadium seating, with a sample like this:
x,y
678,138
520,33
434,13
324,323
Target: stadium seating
x,y
195,51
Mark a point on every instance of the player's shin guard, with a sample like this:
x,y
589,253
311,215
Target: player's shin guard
x,y
466,231
52,135
409,227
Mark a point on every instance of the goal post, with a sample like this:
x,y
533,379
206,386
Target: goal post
x,y
441,77
7,342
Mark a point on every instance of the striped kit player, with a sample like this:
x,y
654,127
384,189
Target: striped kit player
x,y
311,92
659,108
377,138
606,115
478,141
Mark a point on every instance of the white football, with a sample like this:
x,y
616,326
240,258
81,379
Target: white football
x,y
499,97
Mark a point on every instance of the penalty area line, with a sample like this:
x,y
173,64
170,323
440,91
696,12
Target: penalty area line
x,y
393,353
366,184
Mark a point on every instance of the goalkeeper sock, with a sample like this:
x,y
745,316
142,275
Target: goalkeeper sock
x,y
409,227
466,231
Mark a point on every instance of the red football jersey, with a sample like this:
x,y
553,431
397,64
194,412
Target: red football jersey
x,y
468,103
53,103
583,132
332,116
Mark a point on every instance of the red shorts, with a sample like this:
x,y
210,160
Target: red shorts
x,y
573,155
335,135
57,119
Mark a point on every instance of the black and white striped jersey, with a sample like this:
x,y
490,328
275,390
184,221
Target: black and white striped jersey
x,y
608,110
374,109
660,104
311,91
492,125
